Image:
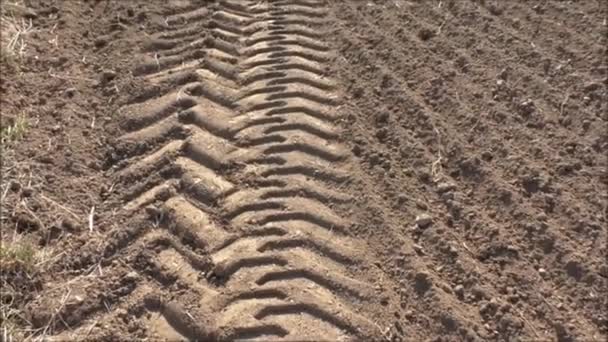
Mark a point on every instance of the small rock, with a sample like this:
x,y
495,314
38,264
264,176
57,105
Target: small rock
x,y
586,124
357,150
426,34
603,271
94,165
107,76
446,288
101,42
504,73
575,269
445,187
495,9
542,272
69,225
418,249
527,107
381,134
57,61
152,211
538,9
478,293
131,276
70,92
421,205
423,220
56,128
592,86
459,291
382,118
120,312
487,156
422,282
424,176
488,309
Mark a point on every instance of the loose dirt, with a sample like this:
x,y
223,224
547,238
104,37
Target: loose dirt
x,y
304,170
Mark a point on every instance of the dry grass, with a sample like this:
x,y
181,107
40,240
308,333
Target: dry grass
x,y
18,260
15,131
14,29
19,257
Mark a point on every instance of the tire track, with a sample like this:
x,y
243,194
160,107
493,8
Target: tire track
x,y
237,163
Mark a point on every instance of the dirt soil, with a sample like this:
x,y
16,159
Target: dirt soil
x,y
304,170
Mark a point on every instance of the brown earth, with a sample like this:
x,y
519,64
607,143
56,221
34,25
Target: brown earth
x,y
300,169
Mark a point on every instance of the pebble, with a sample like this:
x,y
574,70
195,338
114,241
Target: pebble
x,y
542,272
418,249
152,211
422,282
445,187
70,92
131,276
107,76
101,42
527,107
421,205
426,34
586,124
487,156
446,288
423,220
459,290
592,86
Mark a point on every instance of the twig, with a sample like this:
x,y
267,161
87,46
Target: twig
x,y
528,322
561,107
67,78
90,329
91,214
436,168
8,186
157,61
384,332
60,206
440,27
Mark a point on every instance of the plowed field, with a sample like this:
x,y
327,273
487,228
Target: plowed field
x,y
297,170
